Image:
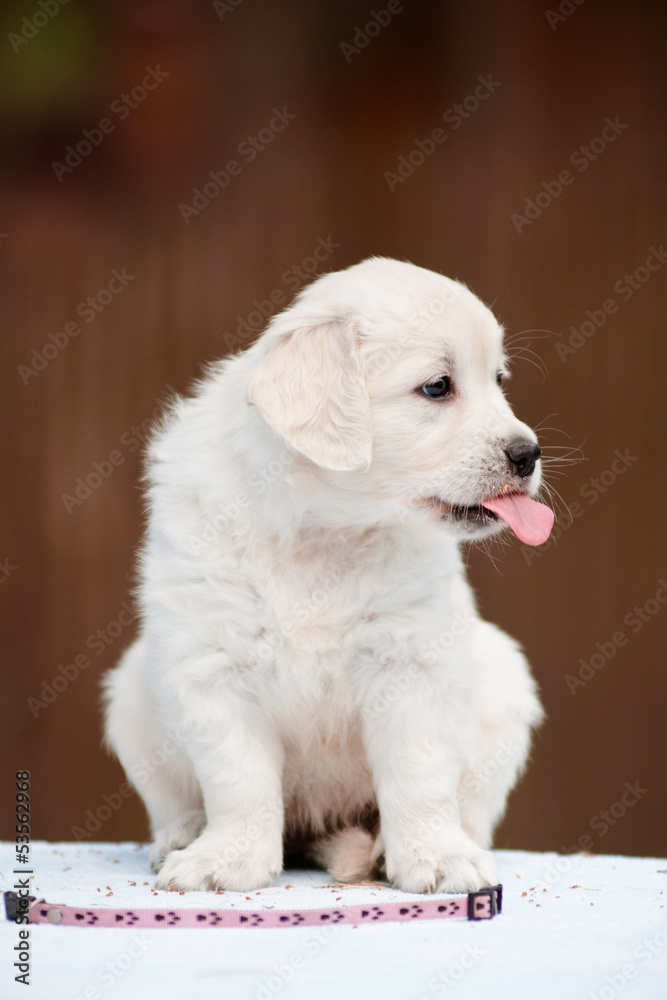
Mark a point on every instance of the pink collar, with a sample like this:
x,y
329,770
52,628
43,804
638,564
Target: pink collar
x,y
481,905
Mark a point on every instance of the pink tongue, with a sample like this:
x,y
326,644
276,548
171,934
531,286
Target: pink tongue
x,y
529,520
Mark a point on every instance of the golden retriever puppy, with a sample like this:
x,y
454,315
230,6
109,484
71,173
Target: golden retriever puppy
x,y
311,668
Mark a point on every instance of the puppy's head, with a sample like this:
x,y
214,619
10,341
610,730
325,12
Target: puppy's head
x,y
386,381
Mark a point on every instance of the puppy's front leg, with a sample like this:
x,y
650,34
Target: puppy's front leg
x,y
416,746
238,762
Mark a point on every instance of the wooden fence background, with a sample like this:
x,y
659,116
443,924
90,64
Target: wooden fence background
x,y
76,404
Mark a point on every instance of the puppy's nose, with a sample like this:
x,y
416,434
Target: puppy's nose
x,y
523,456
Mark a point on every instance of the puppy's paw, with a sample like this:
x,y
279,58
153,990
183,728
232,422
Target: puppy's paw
x,y
467,873
176,835
214,863
456,864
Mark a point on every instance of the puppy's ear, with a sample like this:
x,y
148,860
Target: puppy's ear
x,y
308,387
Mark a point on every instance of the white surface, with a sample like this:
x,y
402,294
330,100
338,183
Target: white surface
x,y
596,929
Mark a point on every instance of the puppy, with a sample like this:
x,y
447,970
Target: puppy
x,y
311,668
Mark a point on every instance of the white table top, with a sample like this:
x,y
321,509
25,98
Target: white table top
x,y
577,926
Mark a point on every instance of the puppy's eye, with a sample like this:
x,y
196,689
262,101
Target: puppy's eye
x,y
438,389
499,378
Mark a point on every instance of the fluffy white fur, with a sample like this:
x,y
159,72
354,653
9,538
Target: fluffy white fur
x,y
310,652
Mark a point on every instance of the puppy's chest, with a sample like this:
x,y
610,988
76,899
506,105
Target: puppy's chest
x,y
324,610
317,609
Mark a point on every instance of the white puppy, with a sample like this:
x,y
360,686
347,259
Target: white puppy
x,y
311,669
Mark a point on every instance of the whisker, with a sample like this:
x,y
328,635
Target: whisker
x,y
522,355
556,474
558,501
520,351
569,455
563,455
558,430
551,464
519,346
537,330
484,545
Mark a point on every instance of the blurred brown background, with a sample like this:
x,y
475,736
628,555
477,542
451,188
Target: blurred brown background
x,y
76,406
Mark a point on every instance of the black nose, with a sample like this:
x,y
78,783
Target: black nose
x,y
523,456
